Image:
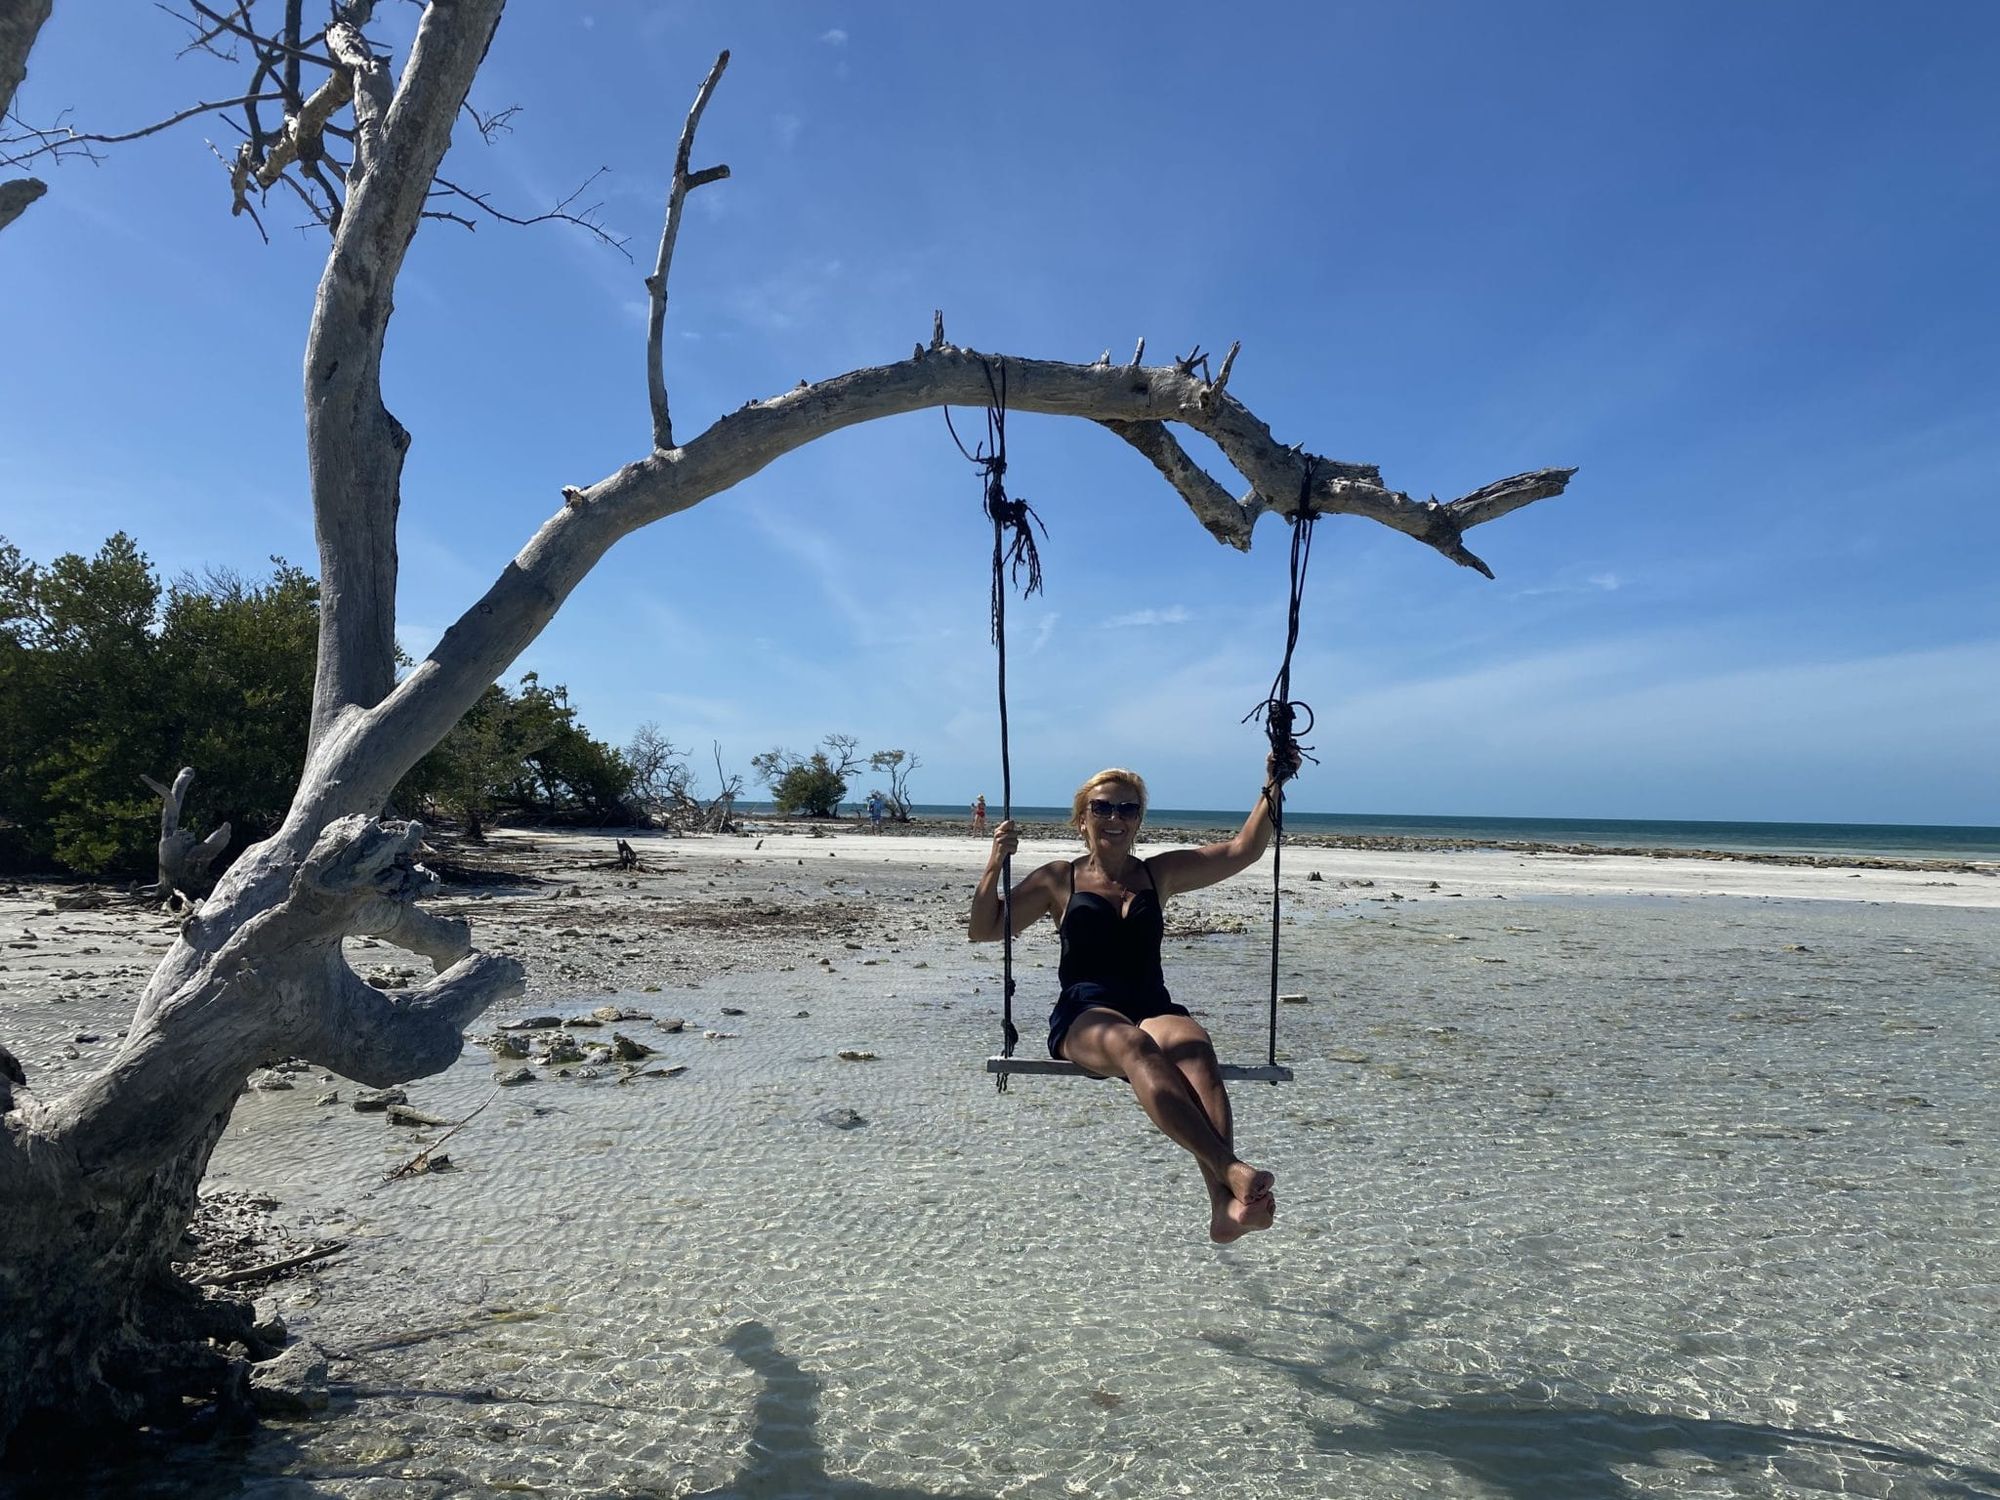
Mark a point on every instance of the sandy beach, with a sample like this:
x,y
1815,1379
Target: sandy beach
x,y
1602,1174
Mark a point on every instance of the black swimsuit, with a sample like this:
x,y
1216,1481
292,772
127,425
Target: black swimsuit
x,y
1111,959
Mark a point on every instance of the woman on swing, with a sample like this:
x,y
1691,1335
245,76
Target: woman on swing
x,y
1114,1018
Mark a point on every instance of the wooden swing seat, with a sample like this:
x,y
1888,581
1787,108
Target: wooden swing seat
x,y
1049,1067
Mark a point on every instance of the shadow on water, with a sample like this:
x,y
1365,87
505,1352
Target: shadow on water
x,y
785,1457
1530,1442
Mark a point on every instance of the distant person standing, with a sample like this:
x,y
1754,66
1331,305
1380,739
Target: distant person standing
x,y
875,811
979,815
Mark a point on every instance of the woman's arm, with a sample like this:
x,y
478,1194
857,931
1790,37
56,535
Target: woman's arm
x,y
1180,870
1033,898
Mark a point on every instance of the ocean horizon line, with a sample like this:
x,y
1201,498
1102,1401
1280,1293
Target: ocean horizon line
x,y
1905,840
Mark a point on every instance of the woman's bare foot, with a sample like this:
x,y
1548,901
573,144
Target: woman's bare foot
x,y
1230,1220
1241,1202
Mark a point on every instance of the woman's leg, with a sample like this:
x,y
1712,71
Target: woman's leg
x,y
1185,1043
1105,1042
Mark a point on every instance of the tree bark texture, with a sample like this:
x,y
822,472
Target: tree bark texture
x,y
20,23
97,1186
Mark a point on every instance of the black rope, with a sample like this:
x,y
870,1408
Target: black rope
x,y
1281,714
1013,553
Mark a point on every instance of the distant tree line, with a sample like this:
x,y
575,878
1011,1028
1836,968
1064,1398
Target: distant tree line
x,y
814,784
522,756
108,676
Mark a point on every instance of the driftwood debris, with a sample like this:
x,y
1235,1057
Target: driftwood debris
x,y
183,859
271,1268
402,1114
422,1162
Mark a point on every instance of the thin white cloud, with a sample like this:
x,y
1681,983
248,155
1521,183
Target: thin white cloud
x,y
787,128
834,38
1595,583
1173,614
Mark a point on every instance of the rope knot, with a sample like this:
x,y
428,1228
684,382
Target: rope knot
x,y
1014,521
1280,712
1018,550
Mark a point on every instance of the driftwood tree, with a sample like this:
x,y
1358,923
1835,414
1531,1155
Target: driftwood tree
x,y
99,1183
184,859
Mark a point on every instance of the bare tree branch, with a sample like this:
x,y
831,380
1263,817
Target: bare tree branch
x,y
492,127
203,40
559,214
360,770
245,209
298,140
1217,510
294,22
326,208
656,284
289,45
56,141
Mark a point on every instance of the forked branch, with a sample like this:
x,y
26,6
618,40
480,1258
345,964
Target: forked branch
x,y
685,181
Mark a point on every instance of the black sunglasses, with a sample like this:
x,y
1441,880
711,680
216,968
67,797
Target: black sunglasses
x,y
1099,808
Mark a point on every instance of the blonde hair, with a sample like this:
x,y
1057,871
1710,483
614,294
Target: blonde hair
x,y
1109,773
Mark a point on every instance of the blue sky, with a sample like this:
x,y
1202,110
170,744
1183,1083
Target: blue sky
x,y
1735,262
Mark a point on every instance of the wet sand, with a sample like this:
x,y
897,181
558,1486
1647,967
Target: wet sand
x,y
1602,1173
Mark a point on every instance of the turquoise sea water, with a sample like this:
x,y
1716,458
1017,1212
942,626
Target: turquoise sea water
x,y
1894,840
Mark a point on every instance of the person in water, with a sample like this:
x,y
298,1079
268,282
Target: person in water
x,y
1114,1018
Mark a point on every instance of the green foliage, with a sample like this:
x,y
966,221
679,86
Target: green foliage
x,y
105,678
815,784
239,661
812,787
812,784
521,755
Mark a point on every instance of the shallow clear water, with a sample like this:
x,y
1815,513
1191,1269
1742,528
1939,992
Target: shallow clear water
x,y
1889,840
1577,1199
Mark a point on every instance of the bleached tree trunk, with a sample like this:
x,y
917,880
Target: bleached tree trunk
x,y
99,1183
183,860
20,23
